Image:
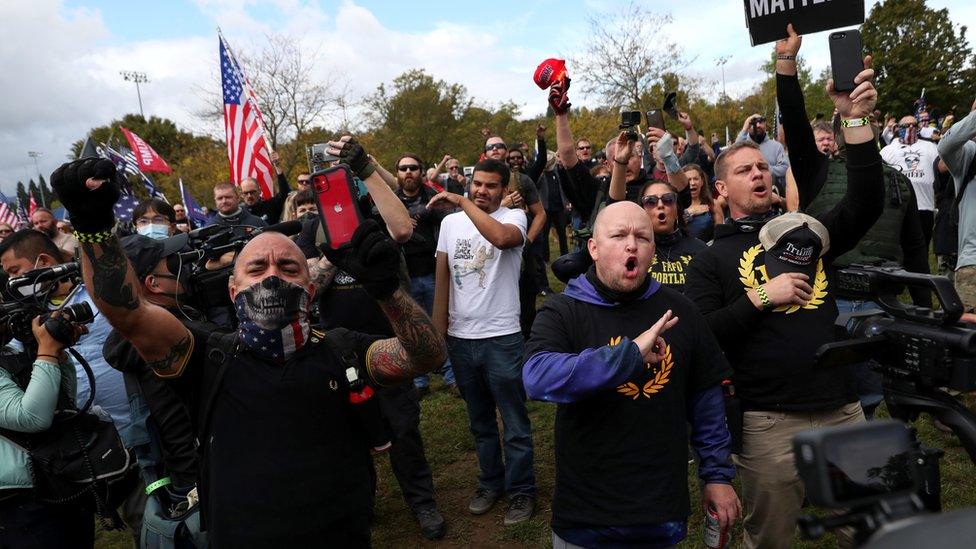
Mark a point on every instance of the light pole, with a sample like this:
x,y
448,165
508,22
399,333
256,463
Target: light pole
x,y
40,190
138,78
721,61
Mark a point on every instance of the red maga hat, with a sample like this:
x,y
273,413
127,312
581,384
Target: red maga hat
x,y
549,72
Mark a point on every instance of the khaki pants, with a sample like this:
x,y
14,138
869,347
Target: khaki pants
x,y
772,492
965,283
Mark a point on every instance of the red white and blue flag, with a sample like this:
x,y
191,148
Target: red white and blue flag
x,y
147,159
7,214
32,205
247,149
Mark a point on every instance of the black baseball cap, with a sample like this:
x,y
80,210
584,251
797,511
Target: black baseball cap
x,y
145,253
794,243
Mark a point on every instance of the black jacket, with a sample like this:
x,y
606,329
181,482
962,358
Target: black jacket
x,y
772,351
270,210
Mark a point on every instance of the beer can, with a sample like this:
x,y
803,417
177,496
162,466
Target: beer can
x,y
714,535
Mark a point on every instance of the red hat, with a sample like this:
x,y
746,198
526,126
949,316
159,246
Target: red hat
x,y
549,72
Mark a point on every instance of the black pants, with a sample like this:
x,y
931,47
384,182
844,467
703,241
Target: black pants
x,y
927,218
26,524
528,289
557,219
401,408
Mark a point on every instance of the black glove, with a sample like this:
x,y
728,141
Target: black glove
x,y
558,99
354,155
90,209
373,259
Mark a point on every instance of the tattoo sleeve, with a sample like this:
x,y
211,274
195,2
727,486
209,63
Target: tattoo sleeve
x,y
173,362
417,348
109,280
321,275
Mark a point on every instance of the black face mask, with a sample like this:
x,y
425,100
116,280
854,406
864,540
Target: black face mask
x,y
308,216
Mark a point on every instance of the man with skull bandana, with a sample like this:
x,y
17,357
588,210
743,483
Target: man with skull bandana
x,y
285,461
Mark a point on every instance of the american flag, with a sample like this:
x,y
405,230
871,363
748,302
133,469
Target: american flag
x,y
124,206
22,219
7,214
247,149
32,206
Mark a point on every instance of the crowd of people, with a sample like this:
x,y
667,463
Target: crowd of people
x,y
702,286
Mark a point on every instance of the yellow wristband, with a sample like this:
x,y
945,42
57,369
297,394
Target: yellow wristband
x,y
855,122
763,298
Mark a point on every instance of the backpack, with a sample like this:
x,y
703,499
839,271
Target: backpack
x,y
80,457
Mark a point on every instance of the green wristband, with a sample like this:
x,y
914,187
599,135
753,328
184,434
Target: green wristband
x,y
93,238
157,485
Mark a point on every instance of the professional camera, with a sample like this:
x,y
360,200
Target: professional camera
x,y
27,296
870,475
881,472
208,287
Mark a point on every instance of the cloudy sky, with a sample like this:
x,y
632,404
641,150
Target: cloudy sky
x,y
60,59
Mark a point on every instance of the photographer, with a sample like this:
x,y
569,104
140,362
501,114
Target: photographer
x,y
770,322
28,399
170,407
285,461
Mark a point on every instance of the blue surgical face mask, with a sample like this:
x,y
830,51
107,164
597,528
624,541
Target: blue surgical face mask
x,y
154,231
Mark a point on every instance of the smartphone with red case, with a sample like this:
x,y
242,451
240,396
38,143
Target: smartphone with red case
x,y
336,199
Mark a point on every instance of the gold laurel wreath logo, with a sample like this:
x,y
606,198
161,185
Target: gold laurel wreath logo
x,y
747,275
661,378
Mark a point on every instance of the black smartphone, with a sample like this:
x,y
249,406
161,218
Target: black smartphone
x,y
629,119
655,119
846,58
671,105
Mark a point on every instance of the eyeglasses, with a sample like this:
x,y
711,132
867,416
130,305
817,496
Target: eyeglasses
x,y
668,199
249,193
162,275
409,168
160,220
586,148
495,146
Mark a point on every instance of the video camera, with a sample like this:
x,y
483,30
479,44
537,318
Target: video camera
x,y
27,296
208,287
880,471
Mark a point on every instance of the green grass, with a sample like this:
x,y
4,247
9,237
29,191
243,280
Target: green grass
x,y
450,451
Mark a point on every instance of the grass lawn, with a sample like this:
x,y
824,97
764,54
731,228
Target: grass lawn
x,y
450,450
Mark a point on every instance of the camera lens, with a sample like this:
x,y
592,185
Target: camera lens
x,y
79,313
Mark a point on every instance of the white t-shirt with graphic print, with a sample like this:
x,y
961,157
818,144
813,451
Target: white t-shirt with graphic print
x,y
917,162
484,298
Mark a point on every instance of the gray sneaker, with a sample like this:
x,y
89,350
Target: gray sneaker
x,y
520,508
483,501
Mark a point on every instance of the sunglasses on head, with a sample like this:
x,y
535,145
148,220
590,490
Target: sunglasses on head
x,y
495,146
409,168
668,199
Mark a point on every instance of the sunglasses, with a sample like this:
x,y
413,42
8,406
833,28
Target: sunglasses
x,y
512,158
453,168
586,148
5,231
668,199
409,168
303,181
495,146
249,193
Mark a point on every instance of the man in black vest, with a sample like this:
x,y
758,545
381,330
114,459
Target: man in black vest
x,y
626,396
770,321
286,460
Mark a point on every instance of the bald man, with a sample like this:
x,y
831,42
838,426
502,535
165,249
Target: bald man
x,y
286,456
628,376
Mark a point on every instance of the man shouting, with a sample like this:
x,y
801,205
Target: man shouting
x,y
285,457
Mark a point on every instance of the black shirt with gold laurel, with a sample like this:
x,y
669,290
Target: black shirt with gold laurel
x,y
621,454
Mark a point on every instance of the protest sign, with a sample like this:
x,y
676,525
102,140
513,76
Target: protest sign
x,y
767,19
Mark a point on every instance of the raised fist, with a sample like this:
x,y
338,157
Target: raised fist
x,y
88,189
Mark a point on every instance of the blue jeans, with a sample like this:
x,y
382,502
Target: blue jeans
x,y
869,389
422,291
489,374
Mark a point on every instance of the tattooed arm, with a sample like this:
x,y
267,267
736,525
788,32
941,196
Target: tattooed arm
x,y
162,340
321,272
417,348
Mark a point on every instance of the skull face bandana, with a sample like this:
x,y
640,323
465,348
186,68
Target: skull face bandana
x,y
273,317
